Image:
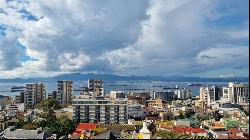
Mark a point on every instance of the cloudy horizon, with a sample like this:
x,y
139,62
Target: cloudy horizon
x,y
45,38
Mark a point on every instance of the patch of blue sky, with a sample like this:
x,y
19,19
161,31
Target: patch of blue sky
x,y
2,29
230,13
24,58
28,15
11,28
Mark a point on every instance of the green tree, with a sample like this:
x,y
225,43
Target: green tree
x,y
181,115
49,104
52,127
48,115
20,122
171,135
217,116
66,125
61,126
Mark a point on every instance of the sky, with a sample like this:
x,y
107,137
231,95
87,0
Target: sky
x,y
44,38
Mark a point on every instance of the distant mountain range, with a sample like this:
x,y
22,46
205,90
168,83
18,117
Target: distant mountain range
x,y
113,77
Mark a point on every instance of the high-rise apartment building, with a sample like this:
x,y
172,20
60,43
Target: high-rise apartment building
x,y
64,92
95,88
238,93
209,94
52,95
165,95
226,95
34,93
183,94
19,98
100,110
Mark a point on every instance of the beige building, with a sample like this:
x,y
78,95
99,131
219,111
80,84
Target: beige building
x,y
34,93
68,111
156,103
64,92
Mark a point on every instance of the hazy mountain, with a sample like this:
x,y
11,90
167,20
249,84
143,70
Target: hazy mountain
x,y
113,77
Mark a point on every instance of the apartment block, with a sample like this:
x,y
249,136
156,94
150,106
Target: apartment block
x,y
226,95
100,110
19,98
165,95
238,93
117,94
209,94
34,93
52,95
64,92
183,94
135,110
95,88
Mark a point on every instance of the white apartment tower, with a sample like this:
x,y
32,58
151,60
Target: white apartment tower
x,y
34,93
238,93
64,92
209,94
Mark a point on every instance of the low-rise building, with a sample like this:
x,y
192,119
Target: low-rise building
x,y
12,133
68,111
136,110
16,107
148,131
157,103
117,94
190,130
138,98
182,123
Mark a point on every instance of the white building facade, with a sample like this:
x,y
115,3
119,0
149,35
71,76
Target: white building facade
x,y
100,110
239,93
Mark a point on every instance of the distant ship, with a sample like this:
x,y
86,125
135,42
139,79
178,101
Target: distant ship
x,y
195,84
176,87
17,89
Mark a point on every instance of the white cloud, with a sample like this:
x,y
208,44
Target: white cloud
x,y
175,34
158,37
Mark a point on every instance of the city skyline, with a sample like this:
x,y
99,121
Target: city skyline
x,y
142,37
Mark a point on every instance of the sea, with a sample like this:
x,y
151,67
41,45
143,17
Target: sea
x,y
126,86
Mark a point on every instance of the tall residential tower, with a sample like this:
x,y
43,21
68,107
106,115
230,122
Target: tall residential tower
x,y
64,92
34,93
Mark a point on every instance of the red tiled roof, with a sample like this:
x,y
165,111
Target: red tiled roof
x,y
198,130
189,130
234,130
84,126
